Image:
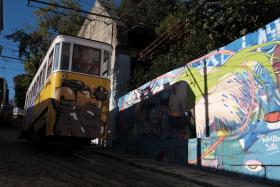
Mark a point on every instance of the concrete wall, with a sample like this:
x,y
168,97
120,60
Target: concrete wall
x,y
229,99
99,28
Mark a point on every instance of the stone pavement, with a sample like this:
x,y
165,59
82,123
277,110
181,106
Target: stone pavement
x,y
194,175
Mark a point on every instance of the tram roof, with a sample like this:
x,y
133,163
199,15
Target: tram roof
x,y
71,38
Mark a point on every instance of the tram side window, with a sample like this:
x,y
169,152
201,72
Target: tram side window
x,y
29,99
32,92
43,74
39,81
65,54
26,99
36,87
50,64
105,65
86,60
56,57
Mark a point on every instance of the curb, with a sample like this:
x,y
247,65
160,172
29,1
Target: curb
x,y
197,175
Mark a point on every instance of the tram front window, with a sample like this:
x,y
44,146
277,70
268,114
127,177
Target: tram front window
x,y
86,60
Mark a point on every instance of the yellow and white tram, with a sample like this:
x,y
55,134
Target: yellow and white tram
x,y
69,95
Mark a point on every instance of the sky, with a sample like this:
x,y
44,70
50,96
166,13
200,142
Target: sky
x,y
18,15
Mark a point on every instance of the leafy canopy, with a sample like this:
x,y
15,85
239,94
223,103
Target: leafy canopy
x,y
212,24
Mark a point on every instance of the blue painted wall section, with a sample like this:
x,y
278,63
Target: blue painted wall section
x,y
221,110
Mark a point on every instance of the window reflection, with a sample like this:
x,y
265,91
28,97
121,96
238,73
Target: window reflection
x,y
105,66
56,58
86,60
65,54
50,64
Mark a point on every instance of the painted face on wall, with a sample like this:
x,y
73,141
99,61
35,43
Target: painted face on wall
x,y
241,98
229,101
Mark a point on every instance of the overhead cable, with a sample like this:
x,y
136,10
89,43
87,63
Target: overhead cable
x,y
14,58
73,9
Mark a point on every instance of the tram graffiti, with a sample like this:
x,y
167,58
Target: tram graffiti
x,y
79,109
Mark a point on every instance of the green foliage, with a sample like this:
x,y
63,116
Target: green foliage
x,y
21,85
33,44
224,21
147,12
167,23
53,21
212,24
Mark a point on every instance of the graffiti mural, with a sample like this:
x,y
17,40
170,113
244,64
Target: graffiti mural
x,y
244,108
163,118
79,109
230,98
163,115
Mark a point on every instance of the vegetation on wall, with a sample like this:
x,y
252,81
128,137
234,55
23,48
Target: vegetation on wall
x,y
210,25
145,12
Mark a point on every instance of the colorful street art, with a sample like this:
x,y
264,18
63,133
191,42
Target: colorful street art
x,y
229,98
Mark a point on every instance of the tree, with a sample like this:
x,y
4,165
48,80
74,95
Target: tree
x,y
212,24
145,12
33,44
21,85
